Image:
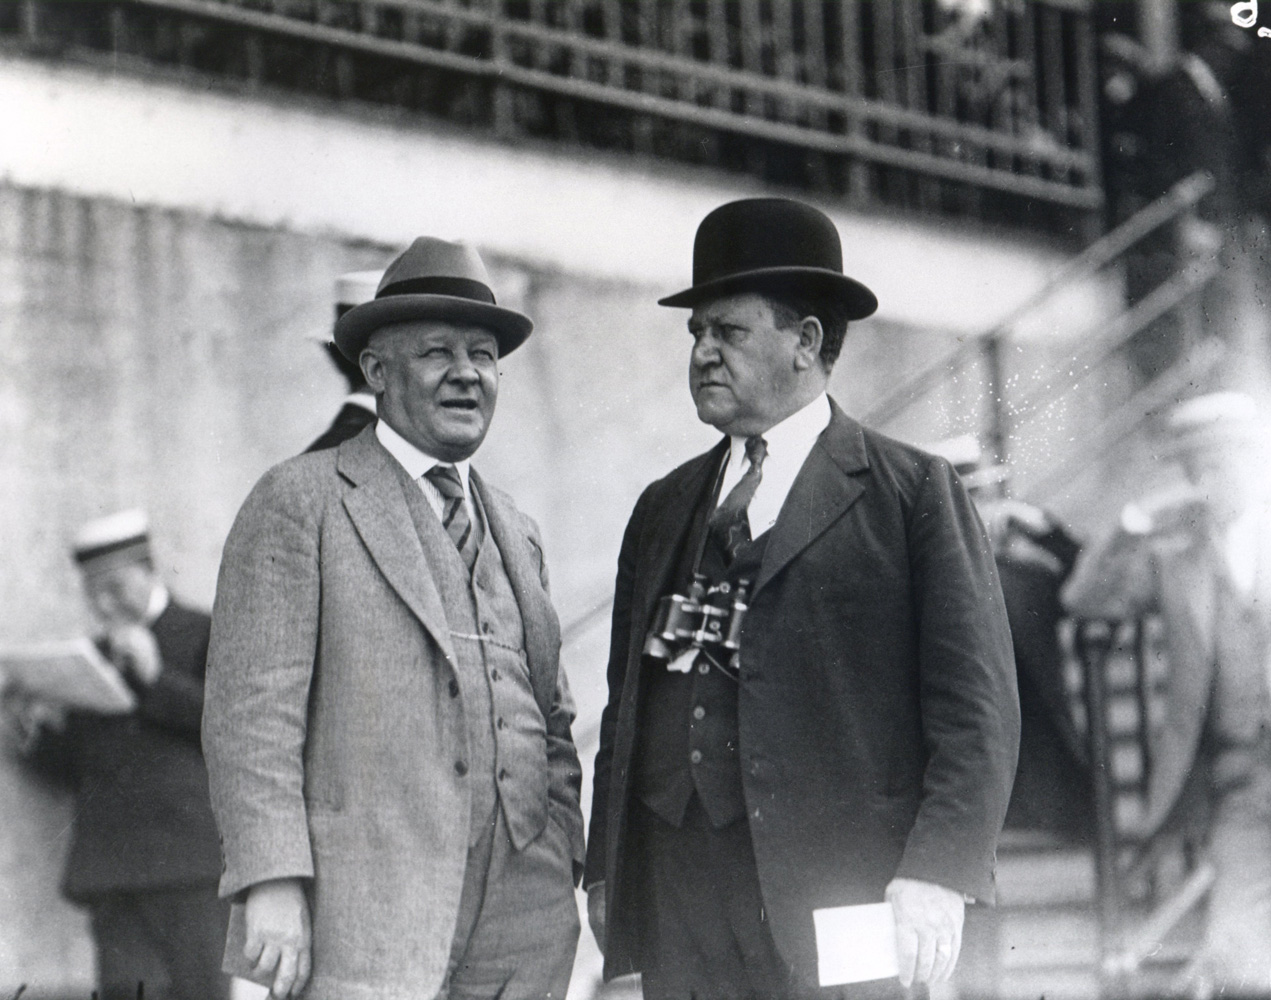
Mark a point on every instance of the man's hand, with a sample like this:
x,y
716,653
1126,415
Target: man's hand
x,y
596,913
26,716
279,936
134,651
928,929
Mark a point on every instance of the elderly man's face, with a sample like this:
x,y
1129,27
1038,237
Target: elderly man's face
x,y
1228,475
437,384
120,595
742,372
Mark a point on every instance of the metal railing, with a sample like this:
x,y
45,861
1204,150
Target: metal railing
x,y
1138,921
875,99
1097,346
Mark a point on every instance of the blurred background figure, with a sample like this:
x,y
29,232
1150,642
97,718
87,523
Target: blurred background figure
x,y
1164,119
144,858
1199,554
351,290
1034,555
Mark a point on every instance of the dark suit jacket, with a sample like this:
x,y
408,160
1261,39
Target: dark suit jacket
x,y
143,819
878,716
347,424
1052,782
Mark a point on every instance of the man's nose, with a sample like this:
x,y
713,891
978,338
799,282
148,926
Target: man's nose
x,y
463,370
705,351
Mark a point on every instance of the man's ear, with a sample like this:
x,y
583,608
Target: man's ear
x,y
808,351
372,369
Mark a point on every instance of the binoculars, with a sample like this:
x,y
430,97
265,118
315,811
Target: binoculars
x,y
684,622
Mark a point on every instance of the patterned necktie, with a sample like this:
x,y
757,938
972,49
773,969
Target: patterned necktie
x,y
729,523
454,514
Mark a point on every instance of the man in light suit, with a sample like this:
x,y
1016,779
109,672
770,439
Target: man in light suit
x,y
855,738
387,727
1199,555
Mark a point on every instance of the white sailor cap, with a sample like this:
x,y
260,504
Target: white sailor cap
x,y
1214,419
355,288
966,456
114,540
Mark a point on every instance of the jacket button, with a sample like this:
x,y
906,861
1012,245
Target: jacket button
x,y
699,712
498,723
703,667
461,768
494,674
695,756
485,627
503,773
454,688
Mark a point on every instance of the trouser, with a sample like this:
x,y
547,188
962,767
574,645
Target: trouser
x,y
518,919
165,944
704,933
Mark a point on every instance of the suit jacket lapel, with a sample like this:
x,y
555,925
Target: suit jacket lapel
x,y
677,524
542,628
378,510
823,490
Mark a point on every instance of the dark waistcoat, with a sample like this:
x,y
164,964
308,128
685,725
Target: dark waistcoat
x,y
689,734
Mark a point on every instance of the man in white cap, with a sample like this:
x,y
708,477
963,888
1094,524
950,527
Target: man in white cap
x,y
358,409
387,726
144,857
1200,555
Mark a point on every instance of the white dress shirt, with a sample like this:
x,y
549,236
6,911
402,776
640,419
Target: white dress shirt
x,y
1241,546
789,444
416,463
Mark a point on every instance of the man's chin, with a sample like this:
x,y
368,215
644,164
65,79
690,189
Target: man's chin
x,y
717,416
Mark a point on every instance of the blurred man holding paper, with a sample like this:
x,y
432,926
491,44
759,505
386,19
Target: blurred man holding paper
x,y
144,857
812,698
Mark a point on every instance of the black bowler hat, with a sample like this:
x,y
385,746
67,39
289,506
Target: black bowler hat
x,y
775,245
433,279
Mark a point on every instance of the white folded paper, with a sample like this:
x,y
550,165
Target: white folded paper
x,y
855,944
69,672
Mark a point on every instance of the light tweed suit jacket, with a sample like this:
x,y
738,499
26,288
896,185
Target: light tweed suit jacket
x,y
334,718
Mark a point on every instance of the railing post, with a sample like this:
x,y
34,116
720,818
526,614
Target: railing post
x,y
504,99
1095,641
999,421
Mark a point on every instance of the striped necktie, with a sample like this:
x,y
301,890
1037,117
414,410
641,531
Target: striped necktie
x,y
454,514
730,523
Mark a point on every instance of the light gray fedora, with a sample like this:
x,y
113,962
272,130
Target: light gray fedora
x,y
433,279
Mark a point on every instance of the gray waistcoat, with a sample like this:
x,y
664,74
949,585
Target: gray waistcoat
x,y
507,735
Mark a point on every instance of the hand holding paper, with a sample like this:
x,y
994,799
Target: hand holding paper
x,y
70,673
928,929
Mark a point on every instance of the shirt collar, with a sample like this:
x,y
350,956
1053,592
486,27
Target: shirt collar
x,y
410,458
159,601
366,400
796,434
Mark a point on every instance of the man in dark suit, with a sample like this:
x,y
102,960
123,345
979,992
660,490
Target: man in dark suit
x,y
853,737
144,856
358,409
